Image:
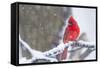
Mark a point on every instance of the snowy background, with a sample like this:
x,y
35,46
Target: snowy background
x,y
87,21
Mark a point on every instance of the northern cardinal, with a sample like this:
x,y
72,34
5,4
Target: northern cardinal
x,y
71,33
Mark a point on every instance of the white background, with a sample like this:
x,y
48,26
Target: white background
x,y
5,34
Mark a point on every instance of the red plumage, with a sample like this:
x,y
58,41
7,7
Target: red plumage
x,y
72,32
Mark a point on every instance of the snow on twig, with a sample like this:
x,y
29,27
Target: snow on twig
x,y
59,49
35,54
47,55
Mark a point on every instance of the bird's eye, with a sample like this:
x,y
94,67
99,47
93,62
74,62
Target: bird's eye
x,y
70,23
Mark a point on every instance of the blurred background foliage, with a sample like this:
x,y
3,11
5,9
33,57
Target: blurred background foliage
x,y
40,25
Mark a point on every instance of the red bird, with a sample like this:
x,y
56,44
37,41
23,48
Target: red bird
x,y
72,32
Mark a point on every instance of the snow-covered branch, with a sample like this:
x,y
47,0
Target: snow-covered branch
x,y
51,54
35,54
59,49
